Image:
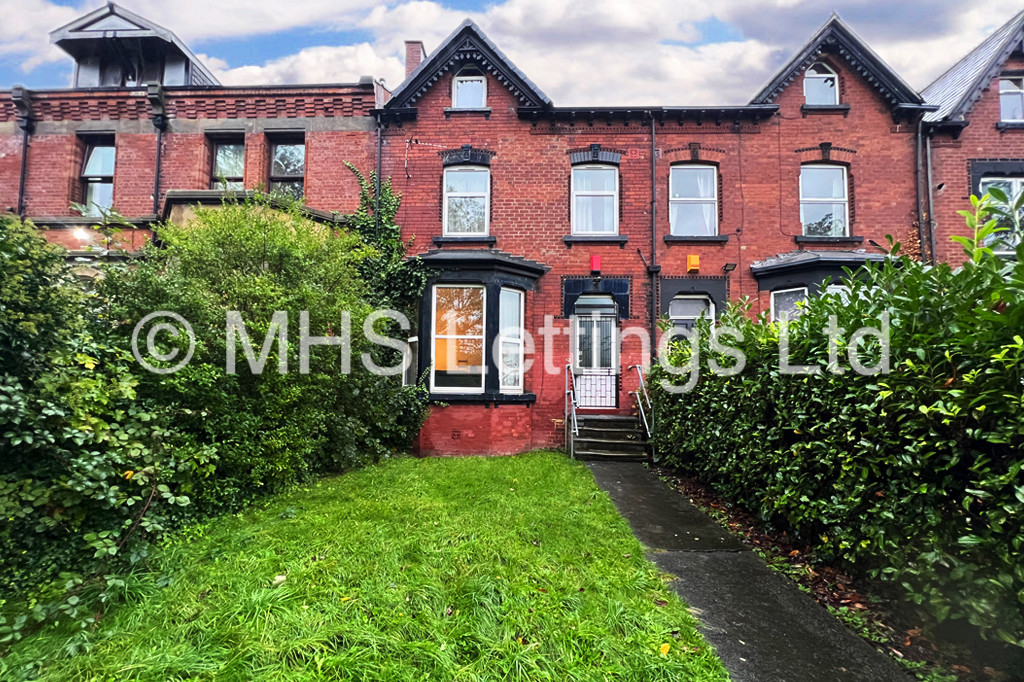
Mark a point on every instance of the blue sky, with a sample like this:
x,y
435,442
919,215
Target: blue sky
x,y
598,52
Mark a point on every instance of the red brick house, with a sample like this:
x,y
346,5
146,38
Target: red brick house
x,y
571,228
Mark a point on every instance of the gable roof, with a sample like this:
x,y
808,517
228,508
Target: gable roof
x,y
467,45
835,36
956,91
115,22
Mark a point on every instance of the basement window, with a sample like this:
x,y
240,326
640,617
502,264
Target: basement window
x,y
98,178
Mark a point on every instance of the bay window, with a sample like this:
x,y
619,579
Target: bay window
x,y
787,302
458,339
595,200
693,201
466,200
824,202
510,340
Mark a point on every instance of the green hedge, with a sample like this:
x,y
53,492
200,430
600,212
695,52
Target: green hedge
x,y
912,477
100,459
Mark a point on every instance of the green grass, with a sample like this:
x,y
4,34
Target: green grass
x,y
511,568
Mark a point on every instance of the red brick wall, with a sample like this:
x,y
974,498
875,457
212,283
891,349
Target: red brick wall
x,y
530,175
10,169
951,164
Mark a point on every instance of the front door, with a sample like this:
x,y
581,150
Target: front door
x,y
596,360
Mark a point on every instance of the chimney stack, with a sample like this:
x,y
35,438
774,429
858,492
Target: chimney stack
x,y
414,54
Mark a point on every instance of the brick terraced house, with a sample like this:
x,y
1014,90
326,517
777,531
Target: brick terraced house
x,y
579,227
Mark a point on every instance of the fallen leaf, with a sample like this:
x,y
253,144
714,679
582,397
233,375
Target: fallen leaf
x,y
660,602
279,580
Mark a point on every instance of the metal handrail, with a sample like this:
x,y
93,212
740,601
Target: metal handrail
x,y
571,426
642,397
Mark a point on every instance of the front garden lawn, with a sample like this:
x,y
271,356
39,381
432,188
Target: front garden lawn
x,y
509,568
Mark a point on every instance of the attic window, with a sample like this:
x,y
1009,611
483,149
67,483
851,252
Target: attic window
x,y
1011,99
469,89
821,85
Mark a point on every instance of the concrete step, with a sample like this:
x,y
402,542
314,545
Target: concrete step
x,y
611,445
618,457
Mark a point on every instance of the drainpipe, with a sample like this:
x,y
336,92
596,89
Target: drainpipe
x,y
376,189
931,197
27,122
158,112
653,269
918,173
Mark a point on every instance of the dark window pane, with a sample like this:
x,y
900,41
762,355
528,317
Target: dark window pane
x,y
229,161
290,188
289,159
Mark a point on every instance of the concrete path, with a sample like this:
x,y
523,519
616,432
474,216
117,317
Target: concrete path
x,y
763,628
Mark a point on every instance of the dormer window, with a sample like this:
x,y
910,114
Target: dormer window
x,y
469,89
1011,99
821,85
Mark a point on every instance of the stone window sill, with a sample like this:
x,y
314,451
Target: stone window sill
x,y
833,109
811,239
484,111
1009,125
619,239
481,398
696,239
474,239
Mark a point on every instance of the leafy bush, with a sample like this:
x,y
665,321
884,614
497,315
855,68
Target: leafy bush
x,y
100,458
913,476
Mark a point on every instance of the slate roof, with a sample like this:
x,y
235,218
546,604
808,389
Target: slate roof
x,y
836,36
956,91
467,44
113,21
808,257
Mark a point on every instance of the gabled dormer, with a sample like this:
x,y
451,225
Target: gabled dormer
x,y
475,66
113,47
815,70
957,90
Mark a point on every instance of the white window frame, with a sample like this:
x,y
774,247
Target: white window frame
x,y
1016,187
845,201
776,318
690,297
809,76
462,79
687,200
614,193
434,336
486,195
1018,89
520,342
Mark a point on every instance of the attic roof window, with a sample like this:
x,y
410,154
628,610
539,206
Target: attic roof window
x,y
821,85
469,89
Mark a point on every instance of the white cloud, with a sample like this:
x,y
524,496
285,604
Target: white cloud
x,y
580,52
